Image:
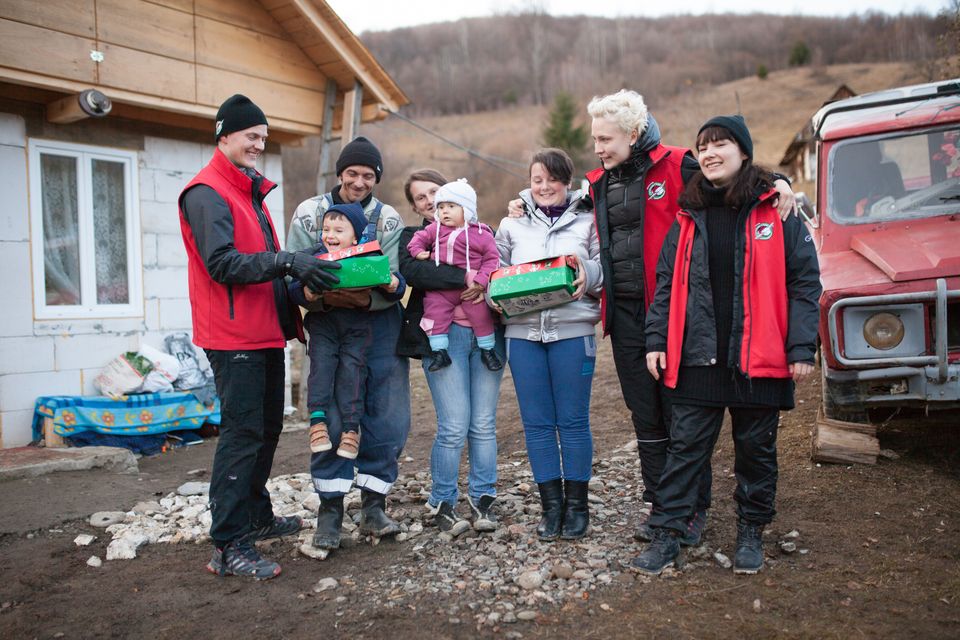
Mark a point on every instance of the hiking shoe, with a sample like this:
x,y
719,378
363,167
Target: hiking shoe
x,y
329,523
661,553
695,526
280,526
749,556
374,520
349,445
439,359
481,512
447,519
240,558
319,438
644,532
491,360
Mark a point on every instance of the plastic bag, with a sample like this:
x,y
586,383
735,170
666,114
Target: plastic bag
x,y
124,374
166,369
191,375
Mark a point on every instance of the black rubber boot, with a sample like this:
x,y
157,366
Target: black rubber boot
x,y
329,521
749,556
438,360
551,501
373,516
490,359
660,554
576,517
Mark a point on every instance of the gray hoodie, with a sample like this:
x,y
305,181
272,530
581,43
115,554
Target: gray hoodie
x,y
532,237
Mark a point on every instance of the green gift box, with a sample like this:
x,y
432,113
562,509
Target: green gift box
x,y
533,286
361,266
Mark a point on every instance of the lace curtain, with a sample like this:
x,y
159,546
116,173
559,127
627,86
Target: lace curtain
x,y
110,232
61,233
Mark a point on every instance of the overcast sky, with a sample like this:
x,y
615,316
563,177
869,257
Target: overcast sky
x,y
379,15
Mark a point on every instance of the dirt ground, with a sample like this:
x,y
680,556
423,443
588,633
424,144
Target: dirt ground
x,y
883,559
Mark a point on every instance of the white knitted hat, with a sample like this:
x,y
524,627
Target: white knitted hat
x,y
461,193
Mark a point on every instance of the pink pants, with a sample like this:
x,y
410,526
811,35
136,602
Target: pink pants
x,y
438,306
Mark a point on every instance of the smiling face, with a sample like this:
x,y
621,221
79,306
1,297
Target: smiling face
x,y
610,142
547,190
422,193
337,232
720,160
449,214
356,182
243,148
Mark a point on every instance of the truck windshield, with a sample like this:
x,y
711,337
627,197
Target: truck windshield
x,y
914,175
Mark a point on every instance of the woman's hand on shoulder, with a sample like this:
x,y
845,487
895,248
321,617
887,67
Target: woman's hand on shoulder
x,y
786,200
515,208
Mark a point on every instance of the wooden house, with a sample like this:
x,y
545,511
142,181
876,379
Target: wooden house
x,y
91,257
799,161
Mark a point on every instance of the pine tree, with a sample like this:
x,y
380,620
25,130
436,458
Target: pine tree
x,y
561,132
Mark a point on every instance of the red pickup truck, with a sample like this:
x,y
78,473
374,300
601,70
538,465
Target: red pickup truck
x,y
888,236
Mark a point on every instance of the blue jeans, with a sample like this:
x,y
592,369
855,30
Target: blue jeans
x,y
465,396
553,382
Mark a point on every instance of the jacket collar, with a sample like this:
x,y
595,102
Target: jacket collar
x,y
232,174
656,154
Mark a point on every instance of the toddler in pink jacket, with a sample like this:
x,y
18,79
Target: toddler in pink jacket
x,y
457,238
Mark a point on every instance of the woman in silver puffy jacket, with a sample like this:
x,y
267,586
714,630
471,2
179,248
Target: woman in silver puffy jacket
x,y
552,353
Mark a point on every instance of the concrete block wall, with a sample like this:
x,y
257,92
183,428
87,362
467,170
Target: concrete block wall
x,y
62,357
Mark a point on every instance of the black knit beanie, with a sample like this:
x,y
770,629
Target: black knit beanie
x,y
236,114
363,152
737,127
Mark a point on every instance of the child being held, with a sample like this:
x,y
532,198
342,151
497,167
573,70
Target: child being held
x,y
457,238
339,338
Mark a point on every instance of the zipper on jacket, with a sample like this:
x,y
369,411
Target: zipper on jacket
x,y
230,298
748,269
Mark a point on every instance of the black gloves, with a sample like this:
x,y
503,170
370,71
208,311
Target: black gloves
x,y
312,273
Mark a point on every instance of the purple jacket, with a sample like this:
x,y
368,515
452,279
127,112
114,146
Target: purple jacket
x,y
472,248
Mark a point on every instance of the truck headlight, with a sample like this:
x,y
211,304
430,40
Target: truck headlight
x,y
883,331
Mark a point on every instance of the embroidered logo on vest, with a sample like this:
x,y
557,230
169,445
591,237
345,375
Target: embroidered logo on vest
x,y
656,191
763,231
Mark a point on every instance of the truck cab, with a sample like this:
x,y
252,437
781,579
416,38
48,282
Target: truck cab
x,y
888,238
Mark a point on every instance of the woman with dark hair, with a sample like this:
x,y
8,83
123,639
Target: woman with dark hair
x,y
552,352
465,393
732,325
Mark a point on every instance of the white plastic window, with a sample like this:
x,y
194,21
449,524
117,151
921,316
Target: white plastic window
x,y
85,218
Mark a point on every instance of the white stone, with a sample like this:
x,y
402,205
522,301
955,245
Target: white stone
x,y
788,547
94,561
311,551
325,584
104,519
193,488
722,560
84,539
530,580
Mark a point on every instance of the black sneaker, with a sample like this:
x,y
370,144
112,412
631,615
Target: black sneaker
x,y
447,519
439,359
481,512
240,558
661,554
490,359
749,556
695,527
279,527
644,532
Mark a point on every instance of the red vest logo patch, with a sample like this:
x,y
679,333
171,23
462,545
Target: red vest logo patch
x,y
763,231
656,191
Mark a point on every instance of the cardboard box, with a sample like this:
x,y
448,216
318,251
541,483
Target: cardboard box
x,y
533,286
361,266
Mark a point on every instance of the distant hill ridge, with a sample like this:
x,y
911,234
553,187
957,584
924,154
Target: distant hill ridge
x,y
483,64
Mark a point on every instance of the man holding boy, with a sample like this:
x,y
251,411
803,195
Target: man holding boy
x,y
386,417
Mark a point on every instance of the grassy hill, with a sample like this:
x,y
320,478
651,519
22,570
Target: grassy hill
x,y
775,109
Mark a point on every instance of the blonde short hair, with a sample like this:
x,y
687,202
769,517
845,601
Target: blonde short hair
x,y
625,108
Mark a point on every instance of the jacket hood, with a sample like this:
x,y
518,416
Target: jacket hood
x,y
924,249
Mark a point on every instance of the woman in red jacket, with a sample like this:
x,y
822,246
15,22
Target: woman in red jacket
x,y
732,325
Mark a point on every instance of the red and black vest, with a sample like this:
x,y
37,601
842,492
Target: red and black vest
x,y
235,316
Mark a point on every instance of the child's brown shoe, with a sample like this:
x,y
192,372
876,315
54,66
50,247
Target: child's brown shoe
x,y
319,439
349,445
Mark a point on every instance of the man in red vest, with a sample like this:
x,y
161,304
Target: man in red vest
x,y
243,319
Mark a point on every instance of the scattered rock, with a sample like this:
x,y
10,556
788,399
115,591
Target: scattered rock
x,y
94,561
526,615
325,584
84,539
788,547
792,535
757,606
197,472
311,551
530,580
193,488
722,560
562,570
147,507
103,519
889,454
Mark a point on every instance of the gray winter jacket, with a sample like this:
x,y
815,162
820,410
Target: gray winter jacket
x,y
532,237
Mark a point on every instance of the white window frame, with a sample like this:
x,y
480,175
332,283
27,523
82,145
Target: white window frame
x,y
84,156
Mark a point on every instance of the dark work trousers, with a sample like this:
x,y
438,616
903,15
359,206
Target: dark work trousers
x,y
693,434
250,386
385,422
339,340
644,396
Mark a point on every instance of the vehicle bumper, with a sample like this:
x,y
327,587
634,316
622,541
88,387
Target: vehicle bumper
x,y
920,387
